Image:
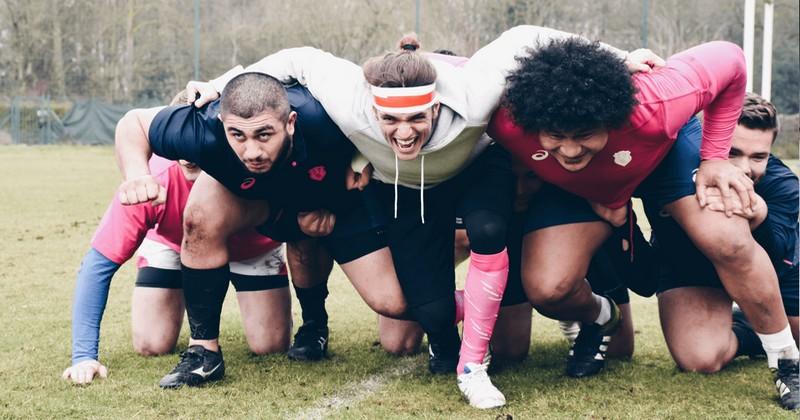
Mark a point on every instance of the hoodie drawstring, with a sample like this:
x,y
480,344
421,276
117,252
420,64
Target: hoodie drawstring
x,y
421,188
396,177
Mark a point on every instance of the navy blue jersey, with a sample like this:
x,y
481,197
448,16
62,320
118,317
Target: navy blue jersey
x,y
312,176
683,265
778,233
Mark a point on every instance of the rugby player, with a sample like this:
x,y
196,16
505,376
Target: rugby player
x,y
258,273
580,122
694,304
272,159
400,111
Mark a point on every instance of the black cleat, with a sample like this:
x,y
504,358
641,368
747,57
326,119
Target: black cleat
x,y
441,361
587,356
788,383
310,343
198,365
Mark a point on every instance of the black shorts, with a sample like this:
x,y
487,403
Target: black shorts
x,y
423,252
609,271
358,231
160,278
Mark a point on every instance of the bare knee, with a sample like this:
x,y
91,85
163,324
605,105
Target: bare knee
x,y
702,361
545,294
151,347
401,345
276,345
390,309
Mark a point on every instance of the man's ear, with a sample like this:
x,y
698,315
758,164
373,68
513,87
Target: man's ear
x,y
435,109
290,123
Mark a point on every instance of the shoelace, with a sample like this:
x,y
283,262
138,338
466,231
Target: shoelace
x,y
789,376
188,359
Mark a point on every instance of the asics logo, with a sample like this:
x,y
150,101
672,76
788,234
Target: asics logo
x,y
540,155
694,175
199,371
248,183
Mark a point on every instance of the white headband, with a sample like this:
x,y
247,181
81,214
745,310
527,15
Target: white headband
x,y
404,99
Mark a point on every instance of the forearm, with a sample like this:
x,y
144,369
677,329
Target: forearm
x,y
132,146
91,294
759,215
720,77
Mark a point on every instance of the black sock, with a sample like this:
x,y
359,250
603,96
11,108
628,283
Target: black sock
x,y
312,303
437,319
749,343
204,291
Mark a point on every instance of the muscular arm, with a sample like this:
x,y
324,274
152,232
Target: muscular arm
x,y
131,143
133,152
718,76
335,82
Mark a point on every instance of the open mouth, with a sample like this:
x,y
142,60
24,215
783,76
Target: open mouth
x,y
405,145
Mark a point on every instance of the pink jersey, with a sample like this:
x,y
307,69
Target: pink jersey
x,y
710,77
123,228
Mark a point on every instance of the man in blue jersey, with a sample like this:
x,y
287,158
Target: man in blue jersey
x,y
694,307
273,160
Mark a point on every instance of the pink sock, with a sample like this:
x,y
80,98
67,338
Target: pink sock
x,y
459,305
483,290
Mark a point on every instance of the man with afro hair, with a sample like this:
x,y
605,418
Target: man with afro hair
x,y
598,135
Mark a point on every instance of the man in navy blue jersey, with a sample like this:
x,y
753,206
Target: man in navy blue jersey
x,y
273,160
694,307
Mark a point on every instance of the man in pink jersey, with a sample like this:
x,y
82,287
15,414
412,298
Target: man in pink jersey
x,y
597,135
258,273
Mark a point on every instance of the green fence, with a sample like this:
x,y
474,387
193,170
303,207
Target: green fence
x,y
41,120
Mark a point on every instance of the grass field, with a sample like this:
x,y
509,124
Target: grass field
x,y
51,199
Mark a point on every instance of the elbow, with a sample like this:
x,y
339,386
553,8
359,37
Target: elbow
x,y
732,54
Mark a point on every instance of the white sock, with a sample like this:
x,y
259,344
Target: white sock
x,y
779,345
605,309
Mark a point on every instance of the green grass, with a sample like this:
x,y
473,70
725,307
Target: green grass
x,y
51,199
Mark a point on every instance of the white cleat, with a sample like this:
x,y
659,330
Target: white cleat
x,y
478,389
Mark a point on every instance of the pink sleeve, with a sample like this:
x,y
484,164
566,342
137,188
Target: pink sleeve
x,y
720,71
454,60
122,230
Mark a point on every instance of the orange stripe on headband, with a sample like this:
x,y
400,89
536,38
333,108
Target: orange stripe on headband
x,y
404,101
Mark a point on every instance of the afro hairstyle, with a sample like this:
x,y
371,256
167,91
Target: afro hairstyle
x,y
570,85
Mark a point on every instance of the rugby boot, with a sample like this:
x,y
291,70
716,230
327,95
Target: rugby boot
x,y
310,343
197,366
587,356
477,388
442,360
787,383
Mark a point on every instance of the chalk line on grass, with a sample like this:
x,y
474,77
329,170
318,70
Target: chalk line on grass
x,y
355,392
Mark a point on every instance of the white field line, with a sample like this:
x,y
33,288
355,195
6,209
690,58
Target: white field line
x,y
355,392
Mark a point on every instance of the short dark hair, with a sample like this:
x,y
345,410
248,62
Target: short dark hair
x,y
444,51
759,114
570,85
250,94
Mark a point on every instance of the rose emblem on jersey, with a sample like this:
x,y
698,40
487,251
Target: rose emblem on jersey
x,y
623,157
317,173
248,183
